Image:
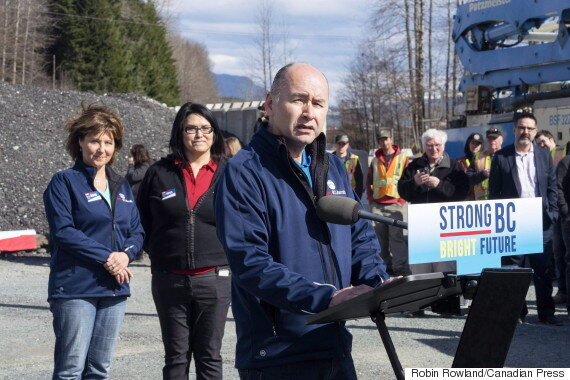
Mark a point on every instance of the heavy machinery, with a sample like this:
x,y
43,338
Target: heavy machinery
x,y
516,54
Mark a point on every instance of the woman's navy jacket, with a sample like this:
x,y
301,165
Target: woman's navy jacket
x,y
84,231
286,263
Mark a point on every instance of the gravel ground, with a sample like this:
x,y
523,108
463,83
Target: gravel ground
x,y
32,143
27,339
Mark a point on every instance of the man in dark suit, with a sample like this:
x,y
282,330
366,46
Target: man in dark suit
x,y
523,170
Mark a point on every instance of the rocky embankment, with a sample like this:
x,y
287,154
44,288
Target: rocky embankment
x,y
32,143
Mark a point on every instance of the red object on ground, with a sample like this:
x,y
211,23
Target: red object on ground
x,y
12,241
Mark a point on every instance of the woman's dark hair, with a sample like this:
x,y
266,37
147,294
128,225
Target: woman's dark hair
x,y
140,154
466,148
93,119
176,144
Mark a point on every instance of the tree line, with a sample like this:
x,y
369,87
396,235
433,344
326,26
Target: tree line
x,y
405,74
102,46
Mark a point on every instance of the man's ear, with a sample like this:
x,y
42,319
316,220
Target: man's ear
x,y
269,104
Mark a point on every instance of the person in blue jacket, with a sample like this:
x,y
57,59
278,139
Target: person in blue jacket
x,y
287,264
94,233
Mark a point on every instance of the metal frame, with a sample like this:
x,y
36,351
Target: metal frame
x,y
480,28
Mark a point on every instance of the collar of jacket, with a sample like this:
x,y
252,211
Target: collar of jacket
x,y
171,159
444,163
115,180
380,152
273,145
348,156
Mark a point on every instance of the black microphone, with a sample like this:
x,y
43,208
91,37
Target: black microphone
x,y
344,210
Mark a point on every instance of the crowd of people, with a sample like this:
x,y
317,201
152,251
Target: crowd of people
x,y
245,229
534,166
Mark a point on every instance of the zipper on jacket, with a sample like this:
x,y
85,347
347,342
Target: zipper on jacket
x,y
324,229
323,263
190,227
191,221
189,254
112,209
271,312
331,257
192,237
113,234
313,198
193,213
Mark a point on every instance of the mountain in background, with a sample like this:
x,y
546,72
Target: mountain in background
x,y
238,87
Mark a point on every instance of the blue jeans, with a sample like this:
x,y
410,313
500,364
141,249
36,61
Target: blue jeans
x,y
85,333
323,369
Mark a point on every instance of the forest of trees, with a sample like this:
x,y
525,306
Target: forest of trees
x,y
101,46
404,75
25,36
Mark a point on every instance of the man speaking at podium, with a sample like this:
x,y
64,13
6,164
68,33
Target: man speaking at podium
x,y
286,264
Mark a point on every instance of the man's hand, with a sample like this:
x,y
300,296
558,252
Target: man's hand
x,y
347,293
116,262
432,182
486,172
390,280
124,276
420,178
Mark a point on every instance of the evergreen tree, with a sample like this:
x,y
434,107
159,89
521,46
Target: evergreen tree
x,y
115,46
154,65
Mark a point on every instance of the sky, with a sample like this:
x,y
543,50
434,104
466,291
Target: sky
x,y
324,33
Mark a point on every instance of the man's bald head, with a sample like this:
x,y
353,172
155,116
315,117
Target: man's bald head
x,y
281,78
297,106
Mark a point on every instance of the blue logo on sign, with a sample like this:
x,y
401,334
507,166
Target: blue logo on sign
x,y
168,194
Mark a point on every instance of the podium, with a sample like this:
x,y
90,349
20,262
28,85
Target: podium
x,y
489,328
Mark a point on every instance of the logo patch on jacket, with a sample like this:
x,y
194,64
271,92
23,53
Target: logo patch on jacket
x,y
168,194
121,197
93,196
332,189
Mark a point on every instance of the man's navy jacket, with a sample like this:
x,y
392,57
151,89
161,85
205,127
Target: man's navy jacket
x,y
286,264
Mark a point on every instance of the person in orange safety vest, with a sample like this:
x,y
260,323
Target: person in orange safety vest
x,y
384,172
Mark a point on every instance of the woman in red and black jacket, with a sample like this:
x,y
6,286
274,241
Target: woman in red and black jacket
x,y
190,276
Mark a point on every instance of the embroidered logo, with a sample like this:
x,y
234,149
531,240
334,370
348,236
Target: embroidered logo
x,y
168,194
332,189
121,197
93,196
